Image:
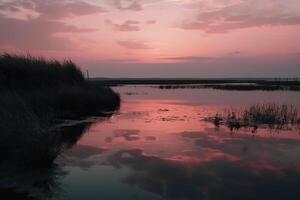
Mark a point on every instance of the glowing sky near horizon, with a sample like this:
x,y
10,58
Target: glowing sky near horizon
x,y
159,38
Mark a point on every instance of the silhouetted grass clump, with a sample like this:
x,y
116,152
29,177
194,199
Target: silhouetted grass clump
x,y
273,115
36,72
36,95
26,137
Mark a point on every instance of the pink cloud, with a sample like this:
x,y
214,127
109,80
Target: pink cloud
x,y
133,5
245,14
133,44
40,33
190,58
53,9
150,22
61,9
128,25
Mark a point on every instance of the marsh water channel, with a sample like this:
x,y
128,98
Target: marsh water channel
x,y
159,146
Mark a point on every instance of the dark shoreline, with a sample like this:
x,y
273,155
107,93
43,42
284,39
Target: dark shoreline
x,y
292,84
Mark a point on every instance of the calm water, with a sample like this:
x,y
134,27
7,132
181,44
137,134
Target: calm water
x,y
159,147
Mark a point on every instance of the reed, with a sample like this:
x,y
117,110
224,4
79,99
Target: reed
x,y
25,71
36,95
273,115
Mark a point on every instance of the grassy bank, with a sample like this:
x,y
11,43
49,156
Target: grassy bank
x,y
36,94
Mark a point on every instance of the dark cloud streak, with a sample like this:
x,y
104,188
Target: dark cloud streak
x,y
190,58
127,26
133,44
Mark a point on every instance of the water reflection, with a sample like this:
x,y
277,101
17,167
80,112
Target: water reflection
x,y
215,178
17,182
33,185
158,146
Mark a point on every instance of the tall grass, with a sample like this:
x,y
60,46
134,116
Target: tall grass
x,y
25,137
273,115
36,72
36,94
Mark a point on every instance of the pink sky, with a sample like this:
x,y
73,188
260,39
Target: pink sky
x,y
159,38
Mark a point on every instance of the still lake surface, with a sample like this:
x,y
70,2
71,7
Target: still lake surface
x,y
157,146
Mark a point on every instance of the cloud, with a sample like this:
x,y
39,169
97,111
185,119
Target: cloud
x,y
234,53
245,14
41,32
52,9
128,25
127,134
133,5
150,22
133,44
190,58
15,5
18,9
127,60
37,34
8,7
61,9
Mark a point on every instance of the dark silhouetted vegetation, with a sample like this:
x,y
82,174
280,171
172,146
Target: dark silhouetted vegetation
x,y
272,115
221,84
31,72
36,95
236,87
246,87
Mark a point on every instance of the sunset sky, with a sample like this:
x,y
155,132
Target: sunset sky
x,y
159,38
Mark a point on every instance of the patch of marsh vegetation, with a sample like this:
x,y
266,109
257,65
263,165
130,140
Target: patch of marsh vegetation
x,y
271,115
36,95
